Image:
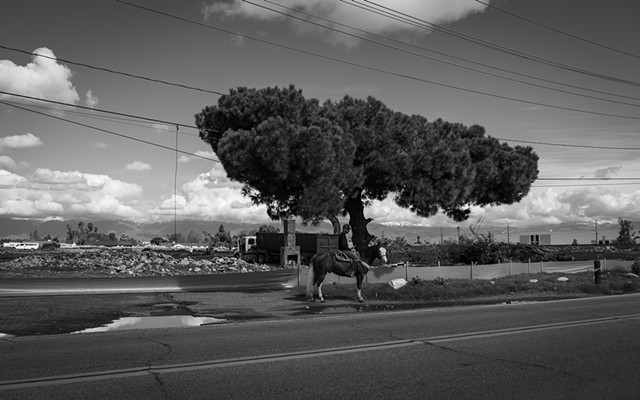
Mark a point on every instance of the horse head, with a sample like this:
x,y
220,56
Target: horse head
x,y
375,250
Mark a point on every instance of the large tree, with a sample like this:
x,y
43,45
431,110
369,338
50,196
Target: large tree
x,y
316,161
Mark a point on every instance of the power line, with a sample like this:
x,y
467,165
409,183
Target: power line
x,y
115,119
108,131
503,49
99,110
132,117
112,71
370,68
604,46
590,185
570,145
588,179
420,54
450,55
210,159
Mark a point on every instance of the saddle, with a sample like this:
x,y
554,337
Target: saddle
x,y
340,256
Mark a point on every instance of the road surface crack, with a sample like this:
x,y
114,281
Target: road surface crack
x,y
163,388
585,379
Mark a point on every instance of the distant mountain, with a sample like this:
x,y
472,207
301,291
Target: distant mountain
x,y
21,228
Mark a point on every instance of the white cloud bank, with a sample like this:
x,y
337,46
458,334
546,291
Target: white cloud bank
x,y
47,193
43,78
210,196
138,166
434,11
20,141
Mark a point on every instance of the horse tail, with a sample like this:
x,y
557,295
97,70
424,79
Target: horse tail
x,y
311,277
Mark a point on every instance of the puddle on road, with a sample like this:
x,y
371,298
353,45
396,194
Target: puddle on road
x,y
172,321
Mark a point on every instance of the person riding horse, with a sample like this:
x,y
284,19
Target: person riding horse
x,y
343,245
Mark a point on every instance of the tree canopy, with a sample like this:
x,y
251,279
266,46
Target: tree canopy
x,y
299,157
626,234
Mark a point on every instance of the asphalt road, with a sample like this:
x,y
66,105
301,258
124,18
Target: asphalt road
x,y
572,349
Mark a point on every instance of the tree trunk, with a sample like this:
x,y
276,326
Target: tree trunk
x,y
336,224
355,208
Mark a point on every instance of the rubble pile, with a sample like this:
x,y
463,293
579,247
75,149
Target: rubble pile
x,y
120,263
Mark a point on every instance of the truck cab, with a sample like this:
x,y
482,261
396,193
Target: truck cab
x,y
244,245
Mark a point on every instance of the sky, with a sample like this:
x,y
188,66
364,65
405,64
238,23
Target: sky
x,y
122,81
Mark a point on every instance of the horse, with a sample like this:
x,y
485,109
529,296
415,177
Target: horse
x,y
323,263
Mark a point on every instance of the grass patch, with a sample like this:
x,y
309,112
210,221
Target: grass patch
x,y
508,288
26,316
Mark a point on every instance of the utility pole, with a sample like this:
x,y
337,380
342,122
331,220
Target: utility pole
x,y
596,231
441,235
508,236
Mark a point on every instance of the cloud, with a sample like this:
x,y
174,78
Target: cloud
x,y
20,141
607,172
7,162
161,127
206,154
237,40
8,179
90,99
211,195
434,11
100,145
184,159
48,193
43,78
138,166
552,206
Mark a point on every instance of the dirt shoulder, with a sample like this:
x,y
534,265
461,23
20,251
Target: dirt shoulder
x,y
47,315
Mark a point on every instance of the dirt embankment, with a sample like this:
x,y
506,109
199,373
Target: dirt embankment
x,y
93,263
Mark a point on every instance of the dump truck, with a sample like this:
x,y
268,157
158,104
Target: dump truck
x,y
264,247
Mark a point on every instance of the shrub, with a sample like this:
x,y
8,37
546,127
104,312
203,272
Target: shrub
x,y
635,267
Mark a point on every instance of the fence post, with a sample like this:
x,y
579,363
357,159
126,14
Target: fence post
x,y
541,266
406,270
597,272
509,267
529,266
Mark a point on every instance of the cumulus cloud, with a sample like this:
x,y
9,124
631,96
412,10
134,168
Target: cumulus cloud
x,y
434,11
551,206
43,78
211,195
90,99
161,127
100,145
20,141
9,179
607,172
49,193
7,162
138,166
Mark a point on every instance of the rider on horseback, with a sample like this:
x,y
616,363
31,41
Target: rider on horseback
x,y
343,245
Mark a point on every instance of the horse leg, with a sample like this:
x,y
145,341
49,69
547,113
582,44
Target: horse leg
x,y
359,279
320,283
311,280
320,293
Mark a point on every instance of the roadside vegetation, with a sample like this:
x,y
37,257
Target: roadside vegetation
x,y
529,287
